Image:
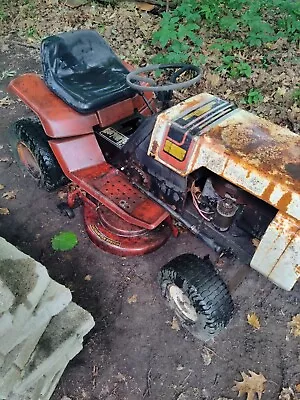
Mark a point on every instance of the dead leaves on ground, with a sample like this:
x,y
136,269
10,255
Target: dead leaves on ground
x,y
132,299
4,159
145,7
11,195
175,324
255,242
213,79
207,355
6,101
287,394
253,320
295,325
253,385
62,195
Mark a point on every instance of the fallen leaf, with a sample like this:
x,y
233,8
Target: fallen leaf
x,y
132,299
213,79
144,6
76,3
224,398
295,325
287,394
1,186
281,91
253,320
8,74
175,324
297,388
4,211
191,394
10,195
62,195
255,242
206,355
251,385
88,277
6,101
4,48
64,241
120,377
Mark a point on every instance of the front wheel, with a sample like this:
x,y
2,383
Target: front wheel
x,y
197,294
31,149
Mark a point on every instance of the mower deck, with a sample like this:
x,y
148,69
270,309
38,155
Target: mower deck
x,y
112,234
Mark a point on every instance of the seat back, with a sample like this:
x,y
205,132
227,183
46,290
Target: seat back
x,y
81,69
75,52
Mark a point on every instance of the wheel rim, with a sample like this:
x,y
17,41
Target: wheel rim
x,y
182,304
29,161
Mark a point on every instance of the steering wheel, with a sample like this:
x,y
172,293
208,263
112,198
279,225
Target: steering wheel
x,y
135,79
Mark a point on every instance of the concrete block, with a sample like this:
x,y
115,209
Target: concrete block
x,y
62,339
8,381
43,385
6,298
42,389
53,384
26,278
21,353
55,299
41,330
6,321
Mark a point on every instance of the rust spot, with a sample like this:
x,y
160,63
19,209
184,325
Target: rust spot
x,y
260,145
268,191
284,202
154,147
293,169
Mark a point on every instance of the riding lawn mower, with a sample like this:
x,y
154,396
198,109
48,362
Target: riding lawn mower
x,y
145,168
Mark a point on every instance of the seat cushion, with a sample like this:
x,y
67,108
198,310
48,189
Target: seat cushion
x,y
83,71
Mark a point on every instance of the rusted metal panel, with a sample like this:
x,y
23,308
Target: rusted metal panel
x,y
250,152
287,270
276,242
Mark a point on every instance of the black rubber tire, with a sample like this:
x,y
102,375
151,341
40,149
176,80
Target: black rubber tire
x,y
66,210
30,132
206,291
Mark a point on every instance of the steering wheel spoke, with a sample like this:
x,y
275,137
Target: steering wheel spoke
x,y
136,78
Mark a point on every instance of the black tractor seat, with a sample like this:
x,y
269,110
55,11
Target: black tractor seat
x,y
81,69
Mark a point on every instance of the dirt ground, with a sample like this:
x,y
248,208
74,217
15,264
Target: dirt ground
x,y
133,352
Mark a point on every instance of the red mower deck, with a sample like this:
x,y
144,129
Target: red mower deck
x,y
114,235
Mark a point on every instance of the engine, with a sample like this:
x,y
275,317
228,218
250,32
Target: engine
x,y
229,213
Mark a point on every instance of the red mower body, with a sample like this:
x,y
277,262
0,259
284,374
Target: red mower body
x,y
74,145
